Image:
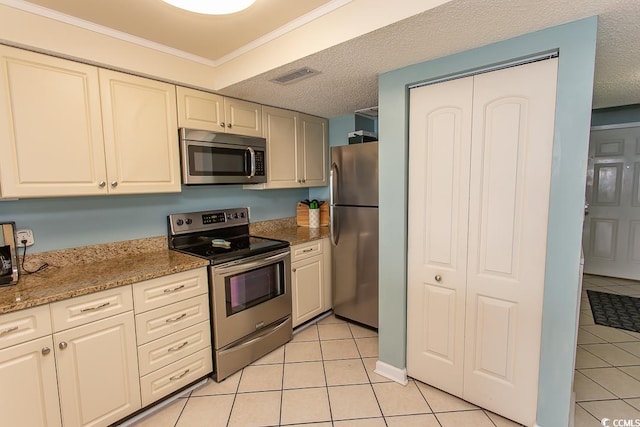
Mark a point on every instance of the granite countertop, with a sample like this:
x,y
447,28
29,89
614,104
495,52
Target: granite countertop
x,y
64,279
84,270
286,229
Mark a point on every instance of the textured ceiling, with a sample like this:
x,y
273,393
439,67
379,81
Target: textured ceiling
x,y
348,79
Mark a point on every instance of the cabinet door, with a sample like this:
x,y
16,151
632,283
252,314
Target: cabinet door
x,y
200,110
141,134
307,280
440,146
243,117
98,371
280,128
50,126
313,151
28,389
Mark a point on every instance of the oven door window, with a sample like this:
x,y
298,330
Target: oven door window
x,y
215,161
253,287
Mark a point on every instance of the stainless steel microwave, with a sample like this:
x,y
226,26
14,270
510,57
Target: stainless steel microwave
x,y
222,158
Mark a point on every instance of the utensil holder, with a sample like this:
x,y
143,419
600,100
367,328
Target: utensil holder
x,y
314,218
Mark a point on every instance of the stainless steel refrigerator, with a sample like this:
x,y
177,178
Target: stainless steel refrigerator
x,y
354,232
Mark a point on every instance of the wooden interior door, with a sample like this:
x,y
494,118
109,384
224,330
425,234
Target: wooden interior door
x,y
439,155
611,236
511,155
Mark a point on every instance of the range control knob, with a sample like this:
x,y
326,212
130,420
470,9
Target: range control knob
x,y
188,221
179,222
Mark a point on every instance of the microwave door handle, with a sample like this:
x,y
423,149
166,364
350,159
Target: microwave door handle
x,y
252,155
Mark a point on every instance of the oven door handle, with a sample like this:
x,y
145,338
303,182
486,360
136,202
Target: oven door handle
x,y
244,266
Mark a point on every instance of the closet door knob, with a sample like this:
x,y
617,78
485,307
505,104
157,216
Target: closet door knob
x,y
438,277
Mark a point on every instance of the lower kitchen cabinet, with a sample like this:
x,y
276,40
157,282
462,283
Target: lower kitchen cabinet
x,y
28,388
98,371
80,362
310,280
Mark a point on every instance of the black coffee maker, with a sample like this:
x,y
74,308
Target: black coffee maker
x,y
8,258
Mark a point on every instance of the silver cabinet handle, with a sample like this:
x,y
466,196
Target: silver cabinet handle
x,y
177,377
46,350
228,125
9,330
294,270
178,347
114,184
438,277
97,307
175,319
307,250
177,288
101,184
221,124
62,345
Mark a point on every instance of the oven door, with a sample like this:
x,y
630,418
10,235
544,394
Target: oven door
x,y
211,163
249,295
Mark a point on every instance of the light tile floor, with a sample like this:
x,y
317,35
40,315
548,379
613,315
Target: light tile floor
x,y
607,376
323,377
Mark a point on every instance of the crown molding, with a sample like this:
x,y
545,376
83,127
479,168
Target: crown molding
x,y
110,32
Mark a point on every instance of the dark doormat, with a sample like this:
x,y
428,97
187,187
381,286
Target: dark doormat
x,y
617,311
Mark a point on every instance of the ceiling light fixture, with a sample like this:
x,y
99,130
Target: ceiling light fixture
x,y
212,7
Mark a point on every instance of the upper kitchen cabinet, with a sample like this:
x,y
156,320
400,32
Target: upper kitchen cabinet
x,y
314,148
297,149
71,129
140,134
209,111
51,141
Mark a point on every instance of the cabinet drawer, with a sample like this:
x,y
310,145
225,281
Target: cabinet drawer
x,y
163,321
89,308
166,290
306,250
166,350
24,325
170,378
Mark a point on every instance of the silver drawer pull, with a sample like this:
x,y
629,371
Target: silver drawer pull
x,y
178,347
168,291
97,307
177,377
307,250
8,331
175,319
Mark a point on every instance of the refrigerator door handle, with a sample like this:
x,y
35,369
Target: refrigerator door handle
x,y
333,181
334,229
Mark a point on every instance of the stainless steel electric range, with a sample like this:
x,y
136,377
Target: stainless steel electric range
x,y
249,284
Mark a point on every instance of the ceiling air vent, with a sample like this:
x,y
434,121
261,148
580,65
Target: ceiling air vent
x,y
295,76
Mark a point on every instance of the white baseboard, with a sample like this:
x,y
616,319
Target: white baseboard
x,y
388,371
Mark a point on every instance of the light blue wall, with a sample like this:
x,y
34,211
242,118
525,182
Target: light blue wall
x,y
616,115
77,221
576,43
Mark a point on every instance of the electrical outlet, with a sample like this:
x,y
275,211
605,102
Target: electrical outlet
x,y
25,234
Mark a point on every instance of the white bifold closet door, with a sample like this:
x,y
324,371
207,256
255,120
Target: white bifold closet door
x,y
480,155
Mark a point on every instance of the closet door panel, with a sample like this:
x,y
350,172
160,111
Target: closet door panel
x,y
439,146
513,122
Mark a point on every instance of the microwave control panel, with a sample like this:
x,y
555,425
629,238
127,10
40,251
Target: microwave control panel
x,y
260,163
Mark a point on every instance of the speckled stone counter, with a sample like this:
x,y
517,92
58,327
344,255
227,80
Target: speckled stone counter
x,y
287,230
81,271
